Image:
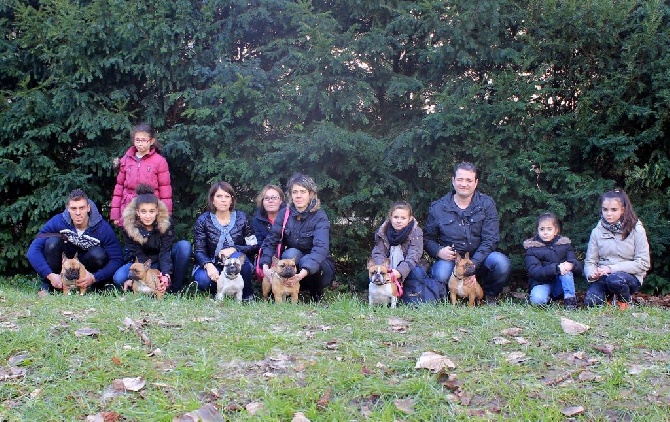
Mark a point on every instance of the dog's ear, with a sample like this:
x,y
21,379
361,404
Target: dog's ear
x,y
75,255
274,260
64,257
137,260
371,262
147,264
458,257
386,262
467,256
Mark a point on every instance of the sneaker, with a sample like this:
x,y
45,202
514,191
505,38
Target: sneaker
x,y
247,299
491,300
570,303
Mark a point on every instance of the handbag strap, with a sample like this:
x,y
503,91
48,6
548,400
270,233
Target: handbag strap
x,y
283,227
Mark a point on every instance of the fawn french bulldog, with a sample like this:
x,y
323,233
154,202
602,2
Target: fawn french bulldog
x,y
464,268
72,271
281,271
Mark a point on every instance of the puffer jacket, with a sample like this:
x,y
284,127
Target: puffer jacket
x,y
206,237
629,255
98,229
542,259
412,248
151,169
143,244
307,231
261,224
474,229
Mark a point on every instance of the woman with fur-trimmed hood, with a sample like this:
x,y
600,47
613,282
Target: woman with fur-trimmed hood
x,y
306,237
148,235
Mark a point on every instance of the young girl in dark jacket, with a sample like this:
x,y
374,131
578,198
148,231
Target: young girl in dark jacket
x,y
551,263
148,234
306,238
221,233
400,239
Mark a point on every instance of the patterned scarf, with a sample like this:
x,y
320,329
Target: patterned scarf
x,y
225,240
616,228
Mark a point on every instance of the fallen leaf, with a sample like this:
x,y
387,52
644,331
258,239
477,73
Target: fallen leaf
x,y
254,407
500,340
104,417
365,371
299,417
513,331
332,345
128,384
116,360
404,405
573,327
324,399
207,413
521,340
572,411
397,321
20,359
605,348
87,332
516,357
433,361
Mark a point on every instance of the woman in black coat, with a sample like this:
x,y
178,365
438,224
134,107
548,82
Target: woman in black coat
x,y
220,233
306,237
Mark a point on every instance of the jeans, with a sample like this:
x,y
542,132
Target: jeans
x,y
491,274
620,284
205,284
180,255
315,283
93,259
563,285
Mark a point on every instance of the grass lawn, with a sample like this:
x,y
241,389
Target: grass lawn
x,y
73,357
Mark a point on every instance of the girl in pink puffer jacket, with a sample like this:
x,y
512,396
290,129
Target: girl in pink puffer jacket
x,y
141,164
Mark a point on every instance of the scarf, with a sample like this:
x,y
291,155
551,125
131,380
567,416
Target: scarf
x,y
303,214
397,237
614,228
225,239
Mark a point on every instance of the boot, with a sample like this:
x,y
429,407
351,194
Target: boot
x,y
570,303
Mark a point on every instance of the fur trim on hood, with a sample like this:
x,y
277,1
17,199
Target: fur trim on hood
x,y
131,223
535,242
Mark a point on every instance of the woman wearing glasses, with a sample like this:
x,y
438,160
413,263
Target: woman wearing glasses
x,y
141,164
268,202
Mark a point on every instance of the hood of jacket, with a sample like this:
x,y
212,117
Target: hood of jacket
x,y
536,242
131,223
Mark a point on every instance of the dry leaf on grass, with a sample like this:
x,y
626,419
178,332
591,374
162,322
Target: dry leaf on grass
x,y
104,417
207,413
324,399
332,345
20,359
404,405
254,407
299,417
500,340
128,384
521,340
573,411
605,348
516,357
87,332
573,327
433,361
513,331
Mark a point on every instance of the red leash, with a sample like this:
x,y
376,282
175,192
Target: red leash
x,y
397,283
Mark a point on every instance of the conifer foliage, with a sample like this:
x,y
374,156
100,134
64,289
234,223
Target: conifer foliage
x,y
555,101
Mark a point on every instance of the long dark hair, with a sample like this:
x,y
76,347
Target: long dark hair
x,y
628,218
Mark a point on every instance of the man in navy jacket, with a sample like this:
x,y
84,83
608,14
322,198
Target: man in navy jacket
x,y
466,221
79,229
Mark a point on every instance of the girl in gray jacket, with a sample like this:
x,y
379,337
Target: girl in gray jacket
x,y
617,257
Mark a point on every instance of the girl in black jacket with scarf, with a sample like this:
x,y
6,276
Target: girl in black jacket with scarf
x,y
306,238
221,233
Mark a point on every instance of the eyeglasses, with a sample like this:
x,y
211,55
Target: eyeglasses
x,y
141,141
271,198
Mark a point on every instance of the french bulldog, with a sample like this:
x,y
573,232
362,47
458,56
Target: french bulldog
x,y
463,268
72,271
145,279
282,270
230,281
382,289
